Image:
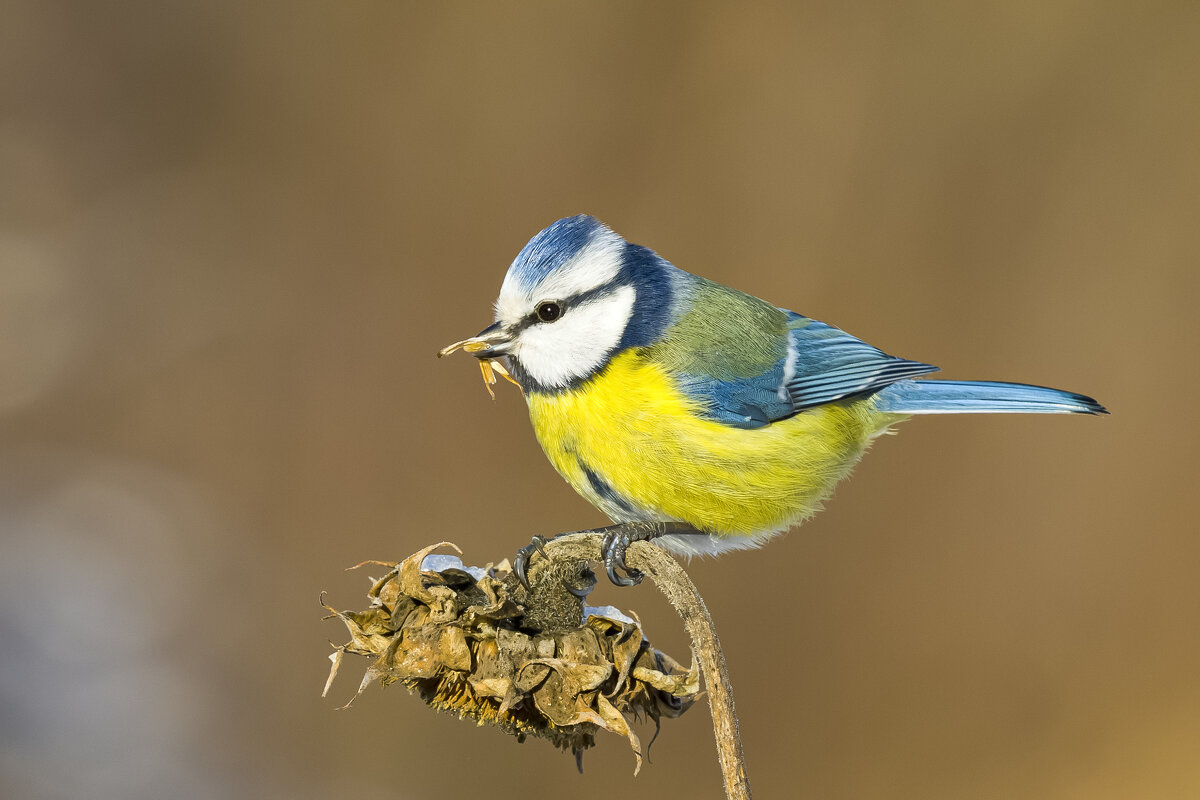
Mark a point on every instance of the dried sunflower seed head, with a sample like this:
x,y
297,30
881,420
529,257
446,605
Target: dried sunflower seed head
x,y
461,638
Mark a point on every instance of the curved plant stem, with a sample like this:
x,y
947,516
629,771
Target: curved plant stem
x,y
674,582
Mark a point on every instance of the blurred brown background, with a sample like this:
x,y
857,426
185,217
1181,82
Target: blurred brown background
x,y
233,235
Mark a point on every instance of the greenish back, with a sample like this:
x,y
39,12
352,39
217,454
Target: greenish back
x,y
726,334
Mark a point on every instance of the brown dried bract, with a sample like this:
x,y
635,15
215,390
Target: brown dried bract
x,y
456,637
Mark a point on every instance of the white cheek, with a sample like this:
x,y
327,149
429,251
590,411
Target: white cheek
x,y
556,353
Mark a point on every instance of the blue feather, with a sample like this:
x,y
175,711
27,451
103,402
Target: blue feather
x,y
651,276
967,397
831,364
747,403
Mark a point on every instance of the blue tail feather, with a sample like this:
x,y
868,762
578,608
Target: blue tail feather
x,y
970,397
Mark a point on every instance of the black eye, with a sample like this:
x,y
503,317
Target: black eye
x,y
548,312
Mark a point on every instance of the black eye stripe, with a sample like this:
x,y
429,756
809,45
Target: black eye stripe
x,y
591,294
566,304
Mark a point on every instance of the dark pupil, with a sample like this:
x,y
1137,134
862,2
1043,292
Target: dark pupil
x,y
548,312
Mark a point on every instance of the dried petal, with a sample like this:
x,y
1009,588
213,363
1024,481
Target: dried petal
x,y
455,652
336,658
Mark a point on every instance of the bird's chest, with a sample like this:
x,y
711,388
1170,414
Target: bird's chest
x,y
613,431
638,448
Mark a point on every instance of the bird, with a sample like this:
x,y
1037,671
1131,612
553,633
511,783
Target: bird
x,y
692,414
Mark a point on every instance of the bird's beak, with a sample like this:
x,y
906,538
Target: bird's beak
x,y
491,342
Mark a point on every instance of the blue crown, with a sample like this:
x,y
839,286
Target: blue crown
x,y
554,247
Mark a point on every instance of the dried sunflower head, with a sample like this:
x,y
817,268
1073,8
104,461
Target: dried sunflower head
x,y
457,637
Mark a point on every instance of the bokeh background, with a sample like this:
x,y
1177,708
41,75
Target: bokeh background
x,y
233,235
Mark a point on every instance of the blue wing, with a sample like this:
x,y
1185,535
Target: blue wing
x,y
831,364
821,364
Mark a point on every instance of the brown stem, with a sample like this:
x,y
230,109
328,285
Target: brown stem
x,y
674,582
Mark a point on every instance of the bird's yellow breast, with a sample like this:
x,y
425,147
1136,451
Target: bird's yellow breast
x,y
652,455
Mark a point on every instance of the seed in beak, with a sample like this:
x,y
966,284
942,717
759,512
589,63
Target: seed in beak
x,y
488,366
472,345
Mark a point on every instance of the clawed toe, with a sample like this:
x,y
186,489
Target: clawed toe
x,y
616,542
521,562
583,586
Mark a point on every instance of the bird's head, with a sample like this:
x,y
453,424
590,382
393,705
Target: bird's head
x,y
576,295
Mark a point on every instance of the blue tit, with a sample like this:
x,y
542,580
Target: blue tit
x,y
662,397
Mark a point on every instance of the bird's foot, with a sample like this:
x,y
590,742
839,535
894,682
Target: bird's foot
x,y
579,585
617,539
521,563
